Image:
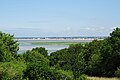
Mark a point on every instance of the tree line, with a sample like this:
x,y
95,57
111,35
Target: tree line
x,y
97,58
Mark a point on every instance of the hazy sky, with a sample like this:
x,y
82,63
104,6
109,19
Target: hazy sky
x,y
59,17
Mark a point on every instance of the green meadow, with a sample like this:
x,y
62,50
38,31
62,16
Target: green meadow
x,y
55,43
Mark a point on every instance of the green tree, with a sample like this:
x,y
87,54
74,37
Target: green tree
x,y
41,71
92,57
111,53
11,70
37,65
38,68
37,71
34,56
69,59
8,47
41,50
76,59
117,73
60,59
102,58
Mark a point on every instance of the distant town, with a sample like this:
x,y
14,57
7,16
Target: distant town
x,y
60,38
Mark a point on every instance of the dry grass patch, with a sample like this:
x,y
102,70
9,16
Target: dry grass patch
x,y
102,78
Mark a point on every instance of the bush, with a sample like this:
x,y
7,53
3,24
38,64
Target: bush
x,y
64,75
41,50
37,71
41,71
117,73
8,47
34,56
11,70
83,77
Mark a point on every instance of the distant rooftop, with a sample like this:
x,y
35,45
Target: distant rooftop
x,y
91,37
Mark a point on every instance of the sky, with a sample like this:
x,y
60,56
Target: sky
x,y
59,18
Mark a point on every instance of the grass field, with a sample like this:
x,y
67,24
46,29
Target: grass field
x,y
102,78
55,43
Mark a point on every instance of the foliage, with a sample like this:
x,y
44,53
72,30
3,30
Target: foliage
x,y
68,59
83,77
40,71
41,50
103,57
38,68
34,56
20,57
117,72
97,58
36,71
111,53
61,75
11,70
8,47
92,57
60,59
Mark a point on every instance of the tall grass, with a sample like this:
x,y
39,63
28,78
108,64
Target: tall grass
x,y
102,78
55,43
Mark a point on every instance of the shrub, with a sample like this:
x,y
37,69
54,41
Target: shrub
x,y
64,75
11,70
117,73
8,47
83,77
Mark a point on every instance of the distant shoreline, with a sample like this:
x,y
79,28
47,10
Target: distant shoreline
x,y
60,39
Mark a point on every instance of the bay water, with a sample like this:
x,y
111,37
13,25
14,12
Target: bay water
x,y
25,45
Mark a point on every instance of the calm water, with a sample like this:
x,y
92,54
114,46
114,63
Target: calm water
x,y
27,45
